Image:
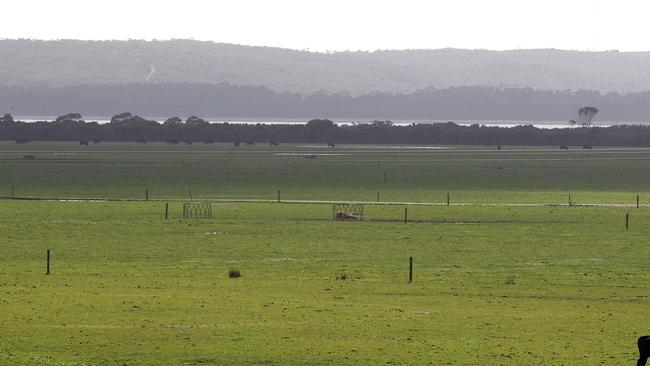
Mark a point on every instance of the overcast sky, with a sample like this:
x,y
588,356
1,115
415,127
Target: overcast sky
x,y
328,25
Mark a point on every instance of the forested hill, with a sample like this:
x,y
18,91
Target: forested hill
x,y
69,62
226,101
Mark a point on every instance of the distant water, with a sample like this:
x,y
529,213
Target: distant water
x,y
349,122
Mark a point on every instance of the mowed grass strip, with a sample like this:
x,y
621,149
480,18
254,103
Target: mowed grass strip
x,y
492,285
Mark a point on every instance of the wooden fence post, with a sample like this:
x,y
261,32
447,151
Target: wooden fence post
x,y
48,262
166,209
410,269
627,221
377,196
146,194
406,214
447,199
637,201
190,192
278,196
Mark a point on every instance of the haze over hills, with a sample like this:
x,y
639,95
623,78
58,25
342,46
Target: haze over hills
x,y
72,62
184,77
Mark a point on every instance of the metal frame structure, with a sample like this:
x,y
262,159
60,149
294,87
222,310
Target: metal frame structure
x,y
347,211
197,210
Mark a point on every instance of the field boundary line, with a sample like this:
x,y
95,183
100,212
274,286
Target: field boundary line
x,y
313,202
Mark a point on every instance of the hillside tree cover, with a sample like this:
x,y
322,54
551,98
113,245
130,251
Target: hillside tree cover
x,y
226,101
73,62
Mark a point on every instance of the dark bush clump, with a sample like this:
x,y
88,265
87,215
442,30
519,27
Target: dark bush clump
x,y
234,273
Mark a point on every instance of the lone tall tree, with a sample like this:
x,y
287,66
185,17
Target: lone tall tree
x,y
586,115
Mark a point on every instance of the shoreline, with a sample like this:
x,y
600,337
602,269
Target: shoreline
x,y
352,122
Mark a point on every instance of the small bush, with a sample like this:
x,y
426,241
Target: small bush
x,y
342,277
234,273
511,280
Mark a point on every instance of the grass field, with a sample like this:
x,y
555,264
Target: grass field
x,y
352,172
493,285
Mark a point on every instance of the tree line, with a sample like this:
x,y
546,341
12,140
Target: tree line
x,y
129,127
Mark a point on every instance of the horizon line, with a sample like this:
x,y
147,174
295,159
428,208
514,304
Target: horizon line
x,y
323,51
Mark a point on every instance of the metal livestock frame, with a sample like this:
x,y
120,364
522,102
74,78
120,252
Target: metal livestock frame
x,y
347,211
197,210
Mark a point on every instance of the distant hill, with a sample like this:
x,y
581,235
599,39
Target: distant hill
x,y
69,62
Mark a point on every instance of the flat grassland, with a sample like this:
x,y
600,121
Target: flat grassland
x,y
349,172
502,284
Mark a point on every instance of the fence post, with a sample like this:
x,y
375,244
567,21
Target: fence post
x,y
278,196
377,196
146,194
190,192
637,201
166,209
406,212
627,221
447,199
12,189
410,269
48,262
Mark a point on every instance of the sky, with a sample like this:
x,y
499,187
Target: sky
x,y
338,25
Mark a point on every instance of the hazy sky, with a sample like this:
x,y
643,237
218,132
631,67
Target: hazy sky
x,y
322,25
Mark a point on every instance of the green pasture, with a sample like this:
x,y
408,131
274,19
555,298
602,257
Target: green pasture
x,y
494,283
348,172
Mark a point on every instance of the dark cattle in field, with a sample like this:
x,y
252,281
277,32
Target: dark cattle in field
x,y
22,141
273,143
586,147
644,350
331,144
237,144
83,143
249,143
141,141
188,142
564,147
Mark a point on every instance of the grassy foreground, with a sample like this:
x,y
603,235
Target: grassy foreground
x,y
493,285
